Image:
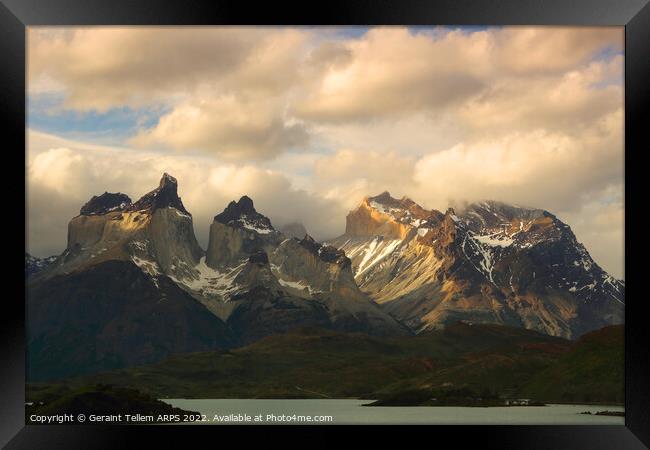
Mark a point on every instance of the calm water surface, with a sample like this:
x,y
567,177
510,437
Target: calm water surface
x,y
350,411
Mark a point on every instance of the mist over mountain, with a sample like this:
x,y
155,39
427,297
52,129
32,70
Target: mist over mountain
x,y
294,229
399,269
492,263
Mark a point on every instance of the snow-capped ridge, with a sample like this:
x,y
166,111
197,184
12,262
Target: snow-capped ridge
x,y
242,214
488,261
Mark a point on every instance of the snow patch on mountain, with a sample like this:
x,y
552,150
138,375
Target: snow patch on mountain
x,y
494,239
211,282
181,214
404,211
149,267
484,251
376,252
254,226
299,285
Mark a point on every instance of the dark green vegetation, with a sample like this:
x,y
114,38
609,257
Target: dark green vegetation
x,y
440,397
458,365
111,316
98,400
592,371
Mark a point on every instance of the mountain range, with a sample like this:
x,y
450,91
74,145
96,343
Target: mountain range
x,y
490,263
133,285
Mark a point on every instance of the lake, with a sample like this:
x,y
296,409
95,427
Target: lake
x,y
351,412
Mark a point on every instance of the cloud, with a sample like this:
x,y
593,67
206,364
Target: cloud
x,y
228,127
390,71
275,196
349,175
251,93
61,179
308,121
348,164
600,225
223,87
540,168
567,102
552,50
393,71
109,67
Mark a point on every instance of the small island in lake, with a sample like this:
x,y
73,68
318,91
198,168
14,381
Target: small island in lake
x,y
605,413
450,397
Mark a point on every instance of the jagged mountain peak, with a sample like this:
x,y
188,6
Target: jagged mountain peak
x,y
236,209
167,179
310,244
526,226
383,197
242,214
165,195
245,204
404,209
105,203
307,239
504,211
384,215
156,233
327,253
507,263
384,200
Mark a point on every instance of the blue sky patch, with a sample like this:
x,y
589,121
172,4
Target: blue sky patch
x,y
46,113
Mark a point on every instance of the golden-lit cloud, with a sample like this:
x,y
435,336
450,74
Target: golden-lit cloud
x,y
545,169
392,71
230,127
62,177
105,67
307,121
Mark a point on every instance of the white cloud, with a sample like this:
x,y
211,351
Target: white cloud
x,y
562,103
61,179
599,223
229,127
349,175
544,169
308,124
392,71
105,67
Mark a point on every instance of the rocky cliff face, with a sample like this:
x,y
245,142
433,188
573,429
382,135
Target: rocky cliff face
x,y
156,233
323,273
247,255
491,263
309,267
386,216
398,269
237,232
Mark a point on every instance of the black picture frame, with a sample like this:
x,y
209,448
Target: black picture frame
x,y
15,15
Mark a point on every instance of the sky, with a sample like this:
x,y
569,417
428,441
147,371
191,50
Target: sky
x,y
309,120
